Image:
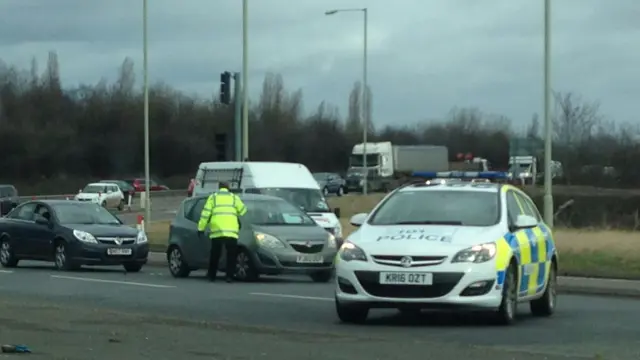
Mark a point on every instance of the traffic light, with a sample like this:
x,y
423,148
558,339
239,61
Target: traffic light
x,y
225,87
221,147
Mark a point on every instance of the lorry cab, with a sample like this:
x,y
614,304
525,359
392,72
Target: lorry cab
x,y
524,168
290,181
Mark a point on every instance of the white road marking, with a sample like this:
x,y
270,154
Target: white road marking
x,y
300,297
112,281
6,271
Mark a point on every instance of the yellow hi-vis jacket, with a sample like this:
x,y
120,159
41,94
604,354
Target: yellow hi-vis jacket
x,y
221,213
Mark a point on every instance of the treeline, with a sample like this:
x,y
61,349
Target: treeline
x,y
54,138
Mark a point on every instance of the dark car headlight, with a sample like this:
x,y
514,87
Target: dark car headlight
x,y
351,252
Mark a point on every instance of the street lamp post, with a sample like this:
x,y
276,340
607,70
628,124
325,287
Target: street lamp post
x,y
548,195
145,70
245,80
364,93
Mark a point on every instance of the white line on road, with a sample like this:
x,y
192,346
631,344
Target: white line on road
x,y
6,271
112,281
300,297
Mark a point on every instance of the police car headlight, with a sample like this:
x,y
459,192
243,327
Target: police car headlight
x,y
142,238
269,241
84,237
476,254
350,251
331,242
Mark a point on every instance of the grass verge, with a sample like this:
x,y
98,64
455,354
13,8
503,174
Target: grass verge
x,y
596,253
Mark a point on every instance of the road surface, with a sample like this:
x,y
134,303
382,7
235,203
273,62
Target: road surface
x,y
105,314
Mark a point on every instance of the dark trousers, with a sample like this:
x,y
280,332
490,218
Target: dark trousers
x,y
230,245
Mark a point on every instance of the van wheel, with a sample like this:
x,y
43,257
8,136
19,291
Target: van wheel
x,y
178,266
546,305
506,313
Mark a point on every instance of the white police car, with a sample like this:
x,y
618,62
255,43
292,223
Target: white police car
x,y
467,245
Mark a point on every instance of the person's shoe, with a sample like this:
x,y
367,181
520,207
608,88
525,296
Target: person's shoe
x,y
229,279
211,278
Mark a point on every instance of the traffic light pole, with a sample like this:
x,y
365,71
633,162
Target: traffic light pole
x,y
237,102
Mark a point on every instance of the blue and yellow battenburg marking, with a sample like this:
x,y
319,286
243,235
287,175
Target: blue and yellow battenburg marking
x,y
533,249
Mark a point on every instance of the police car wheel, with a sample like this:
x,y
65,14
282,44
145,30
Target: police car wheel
x,y
545,306
506,314
178,267
352,313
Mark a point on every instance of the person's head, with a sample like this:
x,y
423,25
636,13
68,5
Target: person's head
x,y
223,185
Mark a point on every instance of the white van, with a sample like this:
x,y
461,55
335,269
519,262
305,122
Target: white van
x,y
290,181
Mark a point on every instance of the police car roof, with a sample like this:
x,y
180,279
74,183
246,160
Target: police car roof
x,y
455,185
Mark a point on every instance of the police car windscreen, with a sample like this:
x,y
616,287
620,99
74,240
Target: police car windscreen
x,y
276,212
463,208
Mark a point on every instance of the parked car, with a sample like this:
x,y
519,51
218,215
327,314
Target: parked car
x,y
330,183
107,195
127,189
275,237
70,234
139,185
8,198
192,184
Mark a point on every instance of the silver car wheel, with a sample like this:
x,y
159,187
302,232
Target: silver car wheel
x,y
242,265
511,295
5,252
175,261
61,257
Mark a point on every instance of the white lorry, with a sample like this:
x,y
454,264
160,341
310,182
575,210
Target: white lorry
x,y
524,168
389,165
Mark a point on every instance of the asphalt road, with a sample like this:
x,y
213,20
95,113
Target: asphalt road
x,y
101,314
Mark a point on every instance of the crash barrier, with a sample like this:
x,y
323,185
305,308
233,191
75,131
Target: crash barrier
x,y
154,194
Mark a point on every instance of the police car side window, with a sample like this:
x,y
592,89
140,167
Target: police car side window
x,y
513,209
529,207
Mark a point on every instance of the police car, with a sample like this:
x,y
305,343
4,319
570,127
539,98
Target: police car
x,y
461,244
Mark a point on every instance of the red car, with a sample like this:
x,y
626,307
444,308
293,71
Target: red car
x,y
139,183
192,184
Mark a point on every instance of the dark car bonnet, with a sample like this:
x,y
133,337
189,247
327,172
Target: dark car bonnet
x,y
105,230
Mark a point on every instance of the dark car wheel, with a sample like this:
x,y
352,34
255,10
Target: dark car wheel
x,y
321,276
7,257
177,264
132,267
353,313
245,268
62,260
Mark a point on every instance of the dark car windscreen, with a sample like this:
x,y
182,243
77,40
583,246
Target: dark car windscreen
x,y
275,212
84,214
463,208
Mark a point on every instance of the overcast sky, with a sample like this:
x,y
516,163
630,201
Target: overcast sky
x,y
425,56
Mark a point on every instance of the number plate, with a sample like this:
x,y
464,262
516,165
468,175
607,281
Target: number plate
x,y
406,278
310,259
118,251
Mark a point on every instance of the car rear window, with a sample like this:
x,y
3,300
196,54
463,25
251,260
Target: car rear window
x,y
462,208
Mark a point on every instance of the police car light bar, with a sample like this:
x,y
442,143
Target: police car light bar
x,y
491,175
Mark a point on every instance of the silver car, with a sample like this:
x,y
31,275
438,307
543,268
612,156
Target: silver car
x,y
276,237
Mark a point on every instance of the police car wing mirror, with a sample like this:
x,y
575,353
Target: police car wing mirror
x,y
525,222
358,219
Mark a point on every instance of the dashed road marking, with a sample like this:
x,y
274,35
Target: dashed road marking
x,y
112,281
299,297
6,271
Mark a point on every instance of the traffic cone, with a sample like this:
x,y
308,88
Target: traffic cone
x,y
140,225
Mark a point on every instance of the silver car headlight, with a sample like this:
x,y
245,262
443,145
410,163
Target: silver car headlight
x,y
269,241
476,254
331,242
84,236
351,252
338,230
142,238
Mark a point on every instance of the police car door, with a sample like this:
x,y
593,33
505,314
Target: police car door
x,y
539,246
520,243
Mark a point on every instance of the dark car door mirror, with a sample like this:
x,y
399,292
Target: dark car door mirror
x,y
41,220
